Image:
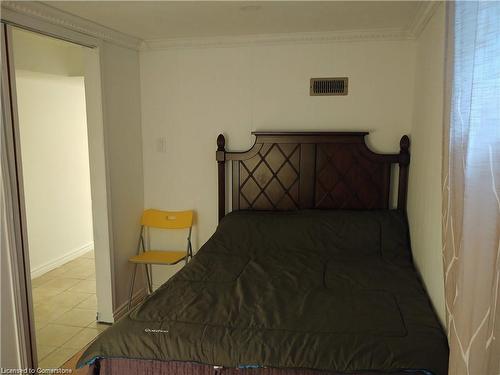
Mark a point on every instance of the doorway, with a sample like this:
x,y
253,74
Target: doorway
x,y
51,107
60,169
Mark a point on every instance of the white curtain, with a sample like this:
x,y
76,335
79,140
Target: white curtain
x,y
471,181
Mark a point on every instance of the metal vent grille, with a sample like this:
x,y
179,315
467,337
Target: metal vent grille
x,y
329,86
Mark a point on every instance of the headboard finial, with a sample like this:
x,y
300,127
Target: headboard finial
x,y
404,143
221,142
404,153
220,155
404,162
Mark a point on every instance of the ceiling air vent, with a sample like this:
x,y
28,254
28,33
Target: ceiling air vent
x,y
329,86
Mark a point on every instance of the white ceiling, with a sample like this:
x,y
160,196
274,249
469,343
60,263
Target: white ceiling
x,y
148,20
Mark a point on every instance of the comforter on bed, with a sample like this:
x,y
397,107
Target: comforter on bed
x,y
326,290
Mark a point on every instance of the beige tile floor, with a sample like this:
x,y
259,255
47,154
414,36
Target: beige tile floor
x,y
65,309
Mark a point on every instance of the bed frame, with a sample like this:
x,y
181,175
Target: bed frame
x,y
301,170
286,171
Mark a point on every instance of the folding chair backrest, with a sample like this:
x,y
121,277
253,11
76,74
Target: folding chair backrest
x,y
167,219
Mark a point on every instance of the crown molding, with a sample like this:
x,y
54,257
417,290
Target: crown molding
x,y
425,12
69,21
273,39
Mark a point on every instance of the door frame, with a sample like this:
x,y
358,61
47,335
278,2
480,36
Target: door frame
x,y
16,253
99,176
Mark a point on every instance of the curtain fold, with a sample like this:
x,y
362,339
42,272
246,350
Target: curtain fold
x,y
471,180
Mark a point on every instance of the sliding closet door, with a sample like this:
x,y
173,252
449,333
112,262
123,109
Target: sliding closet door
x,y
18,346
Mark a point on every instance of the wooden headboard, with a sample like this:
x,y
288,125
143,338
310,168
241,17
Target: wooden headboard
x,y
298,170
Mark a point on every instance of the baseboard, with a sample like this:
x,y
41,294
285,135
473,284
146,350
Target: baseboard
x,y
137,297
49,266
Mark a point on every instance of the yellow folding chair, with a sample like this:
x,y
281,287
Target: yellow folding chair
x,y
160,220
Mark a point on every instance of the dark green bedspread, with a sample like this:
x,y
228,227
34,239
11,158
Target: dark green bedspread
x,y
329,290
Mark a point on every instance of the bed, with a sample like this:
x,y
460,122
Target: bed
x,y
310,273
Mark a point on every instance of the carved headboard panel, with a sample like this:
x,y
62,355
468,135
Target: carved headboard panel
x,y
325,170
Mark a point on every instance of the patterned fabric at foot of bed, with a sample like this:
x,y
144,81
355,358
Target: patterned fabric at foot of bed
x,y
119,366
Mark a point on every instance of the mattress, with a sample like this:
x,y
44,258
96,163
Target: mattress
x,y
321,290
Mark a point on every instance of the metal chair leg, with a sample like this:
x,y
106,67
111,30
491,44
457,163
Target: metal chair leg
x,y
132,287
189,250
150,282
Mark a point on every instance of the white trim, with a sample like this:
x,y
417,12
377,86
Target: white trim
x,y
54,263
41,26
273,39
100,184
425,12
47,13
10,233
19,255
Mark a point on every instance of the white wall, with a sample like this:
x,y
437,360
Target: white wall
x,y
189,96
122,122
54,151
424,195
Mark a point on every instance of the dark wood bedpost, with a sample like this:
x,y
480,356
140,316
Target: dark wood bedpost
x,y
404,162
220,155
